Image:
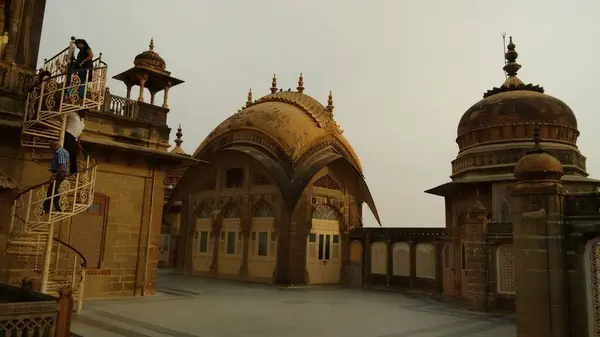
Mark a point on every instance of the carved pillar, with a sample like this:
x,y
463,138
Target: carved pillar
x,y
166,97
129,86
215,234
476,257
152,95
246,224
16,8
143,80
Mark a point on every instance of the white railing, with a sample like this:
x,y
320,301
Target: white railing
x,y
36,210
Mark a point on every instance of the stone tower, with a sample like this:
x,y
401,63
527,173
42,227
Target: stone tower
x,y
539,245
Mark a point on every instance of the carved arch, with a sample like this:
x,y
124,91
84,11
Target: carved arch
x,y
231,210
329,182
263,209
326,212
203,210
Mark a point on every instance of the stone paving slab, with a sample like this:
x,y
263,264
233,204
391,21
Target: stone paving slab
x,y
188,306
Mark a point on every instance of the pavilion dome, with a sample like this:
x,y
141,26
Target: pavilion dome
x,y
509,113
538,164
150,59
296,123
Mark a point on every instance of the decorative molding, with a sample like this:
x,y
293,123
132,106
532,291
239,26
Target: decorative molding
x,y
328,182
534,203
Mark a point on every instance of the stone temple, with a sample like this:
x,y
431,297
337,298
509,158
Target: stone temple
x,y
275,194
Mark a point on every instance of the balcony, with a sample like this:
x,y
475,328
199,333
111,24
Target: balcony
x,y
24,312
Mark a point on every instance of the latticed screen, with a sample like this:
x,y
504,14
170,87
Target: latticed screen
x,y
505,259
594,289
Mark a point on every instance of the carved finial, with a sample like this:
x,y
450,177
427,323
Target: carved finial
x,y
179,134
536,137
249,101
151,44
300,87
511,67
330,102
274,84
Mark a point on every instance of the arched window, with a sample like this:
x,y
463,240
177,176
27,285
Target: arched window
x,y
263,210
203,211
325,212
231,211
328,182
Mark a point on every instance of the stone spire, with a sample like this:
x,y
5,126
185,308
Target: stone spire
x,y
330,106
274,84
178,141
151,46
300,87
511,67
249,101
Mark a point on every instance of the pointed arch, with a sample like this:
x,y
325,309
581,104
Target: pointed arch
x,y
263,209
329,182
203,211
231,211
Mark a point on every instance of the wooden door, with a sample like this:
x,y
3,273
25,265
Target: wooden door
x,y
449,270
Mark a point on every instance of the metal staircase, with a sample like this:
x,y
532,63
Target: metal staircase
x,y
32,243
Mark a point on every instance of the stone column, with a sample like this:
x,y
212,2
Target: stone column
x,y
246,226
476,257
215,233
129,91
152,96
166,97
13,29
143,80
539,246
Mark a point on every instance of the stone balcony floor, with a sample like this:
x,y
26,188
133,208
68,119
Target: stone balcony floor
x,y
187,306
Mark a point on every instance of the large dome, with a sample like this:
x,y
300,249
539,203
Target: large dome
x,y
295,122
509,113
150,59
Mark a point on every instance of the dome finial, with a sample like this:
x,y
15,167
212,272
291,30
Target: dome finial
x,y
249,101
151,44
274,84
330,106
179,134
536,137
300,87
511,67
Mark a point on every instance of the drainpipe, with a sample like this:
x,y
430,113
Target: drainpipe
x,y
149,232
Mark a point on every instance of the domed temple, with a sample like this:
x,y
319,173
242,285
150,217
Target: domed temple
x,y
279,197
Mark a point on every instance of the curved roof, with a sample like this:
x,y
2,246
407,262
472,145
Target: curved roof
x,y
294,121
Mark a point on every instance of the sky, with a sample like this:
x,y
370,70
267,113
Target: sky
x,y
402,72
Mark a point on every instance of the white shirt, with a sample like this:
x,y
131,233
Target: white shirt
x,y
75,124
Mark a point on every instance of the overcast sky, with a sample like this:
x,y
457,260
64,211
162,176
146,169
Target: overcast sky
x,y
402,72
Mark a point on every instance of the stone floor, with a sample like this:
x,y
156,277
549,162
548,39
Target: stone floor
x,y
189,306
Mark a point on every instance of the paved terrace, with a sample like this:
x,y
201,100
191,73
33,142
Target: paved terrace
x,y
188,306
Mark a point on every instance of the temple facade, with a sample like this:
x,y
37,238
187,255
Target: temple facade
x,y
282,190
102,237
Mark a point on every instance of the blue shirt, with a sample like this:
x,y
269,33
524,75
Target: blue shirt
x,y
61,157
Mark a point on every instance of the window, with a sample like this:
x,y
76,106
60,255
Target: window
x,y
324,212
95,209
203,242
234,178
312,237
231,211
203,211
231,243
164,244
262,243
321,248
263,210
260,180
273,236
505,264
463,257
336,239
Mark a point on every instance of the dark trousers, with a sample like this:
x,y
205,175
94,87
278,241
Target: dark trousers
x,y
53,190
85,76
71,145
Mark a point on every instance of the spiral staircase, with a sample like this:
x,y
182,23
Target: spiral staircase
x,y
32,243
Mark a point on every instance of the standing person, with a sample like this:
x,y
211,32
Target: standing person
x,y
59,172
84,64
75,126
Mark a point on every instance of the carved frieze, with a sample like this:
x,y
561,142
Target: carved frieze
x,y
511,157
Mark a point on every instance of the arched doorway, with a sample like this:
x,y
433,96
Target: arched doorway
x,y
449,273
356,253
323,249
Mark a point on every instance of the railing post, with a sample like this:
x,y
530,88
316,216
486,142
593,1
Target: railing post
x,y
47,258
65,310
80,292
